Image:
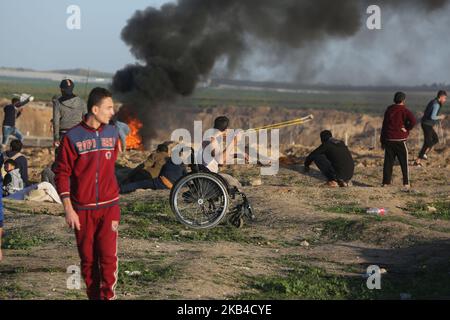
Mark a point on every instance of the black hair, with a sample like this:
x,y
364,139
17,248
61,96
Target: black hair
x,y
325,135
399,97
11,162
221,123
162,148
441,93
96,96
15,100
16,145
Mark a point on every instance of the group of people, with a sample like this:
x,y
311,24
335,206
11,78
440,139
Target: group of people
x,y
89,142
334,160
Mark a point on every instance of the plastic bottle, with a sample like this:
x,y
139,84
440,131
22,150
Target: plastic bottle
x,y
377,211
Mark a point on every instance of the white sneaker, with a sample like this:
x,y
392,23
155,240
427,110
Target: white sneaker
x,y
406,188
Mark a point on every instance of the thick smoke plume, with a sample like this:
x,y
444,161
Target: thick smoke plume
x,y
179,44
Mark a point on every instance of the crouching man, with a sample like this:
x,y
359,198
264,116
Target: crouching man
x,y
333,159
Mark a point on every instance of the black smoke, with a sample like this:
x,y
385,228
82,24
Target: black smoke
x,y
179,44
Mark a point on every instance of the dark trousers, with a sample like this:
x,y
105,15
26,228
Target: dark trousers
x,y
325,166
392,150
153,184
430,139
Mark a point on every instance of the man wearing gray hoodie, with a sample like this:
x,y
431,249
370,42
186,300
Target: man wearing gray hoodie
x,y
68,111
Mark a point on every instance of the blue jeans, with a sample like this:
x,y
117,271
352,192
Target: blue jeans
x,y
11,131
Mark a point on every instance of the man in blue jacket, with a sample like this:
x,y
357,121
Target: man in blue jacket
x,y
430,118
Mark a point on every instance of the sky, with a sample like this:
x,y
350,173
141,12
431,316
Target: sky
x,y
33,34
412,48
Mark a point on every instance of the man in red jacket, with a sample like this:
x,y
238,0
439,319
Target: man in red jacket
x,y
86,182
397,123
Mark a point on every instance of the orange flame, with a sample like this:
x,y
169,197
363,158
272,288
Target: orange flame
x,y
134,139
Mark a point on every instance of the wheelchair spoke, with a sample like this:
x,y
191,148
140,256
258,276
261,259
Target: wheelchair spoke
x,y
200,201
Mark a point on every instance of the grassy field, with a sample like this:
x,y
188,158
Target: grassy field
x,y
372,102
42,90
307,242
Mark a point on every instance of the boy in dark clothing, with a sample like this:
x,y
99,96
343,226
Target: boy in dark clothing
x,y
430,118
169,174
12,112
20,160
398,122
12,181
333,159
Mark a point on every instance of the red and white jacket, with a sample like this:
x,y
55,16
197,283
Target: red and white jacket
x,y
85,169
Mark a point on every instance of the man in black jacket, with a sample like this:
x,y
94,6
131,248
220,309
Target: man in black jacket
x,y
333,159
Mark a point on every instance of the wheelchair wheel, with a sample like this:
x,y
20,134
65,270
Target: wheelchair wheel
x,y
199,200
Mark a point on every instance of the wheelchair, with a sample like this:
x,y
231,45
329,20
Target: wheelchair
x,y
203,199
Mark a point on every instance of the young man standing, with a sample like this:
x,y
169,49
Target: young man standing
x,y
398,122
68,111
430,118
86,182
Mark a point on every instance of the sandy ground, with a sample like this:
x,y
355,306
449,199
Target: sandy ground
x,y
295,215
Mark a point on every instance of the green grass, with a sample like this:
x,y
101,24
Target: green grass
x,y
18,240
149,273
40,89
303,282
308,282
155,220
428,283
10,291
341,229
420,209
349,208
374,102
21,207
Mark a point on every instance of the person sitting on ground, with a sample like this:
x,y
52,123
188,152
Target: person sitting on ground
x,y
21,161
13,181
333,159
151,167
48,174
156,160
169,174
